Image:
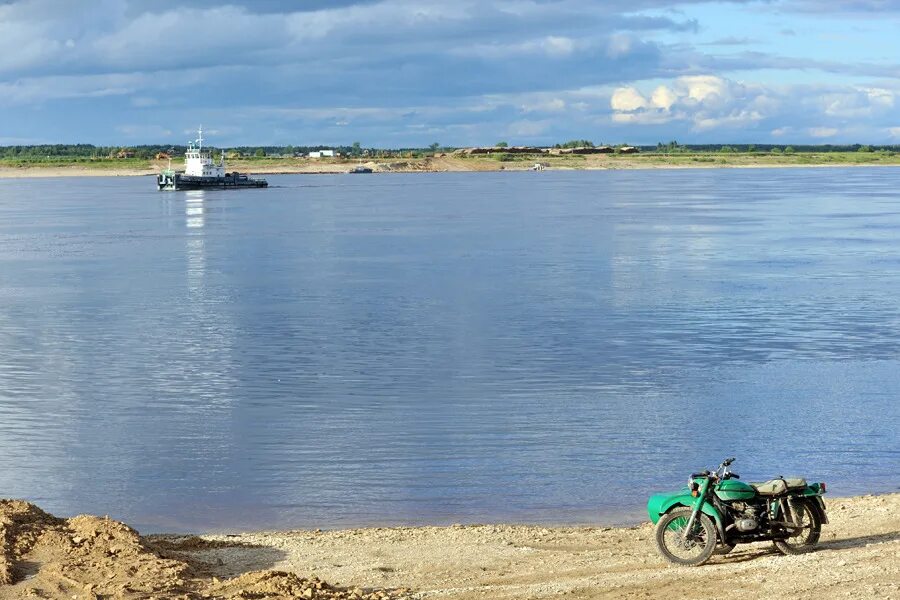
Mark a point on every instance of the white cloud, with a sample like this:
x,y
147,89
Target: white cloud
x,y
663,97
822,132
739,118
708,101
558,45
545,105
713,103
894,131
881,96
704,88
857,102
627,99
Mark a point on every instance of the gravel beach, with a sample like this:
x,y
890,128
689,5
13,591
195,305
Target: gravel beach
x,y
97,559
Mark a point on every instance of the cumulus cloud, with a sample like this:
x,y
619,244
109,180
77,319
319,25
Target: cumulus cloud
x,y
663,97
707,101
714,103
627,100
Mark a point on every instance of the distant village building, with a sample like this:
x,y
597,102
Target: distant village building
x,y
501,150
322,154
585,150
122,153
595,150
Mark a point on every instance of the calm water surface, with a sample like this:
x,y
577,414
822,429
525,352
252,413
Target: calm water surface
x,y
349,350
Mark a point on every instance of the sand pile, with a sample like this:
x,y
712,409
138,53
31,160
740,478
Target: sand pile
x,y
95,558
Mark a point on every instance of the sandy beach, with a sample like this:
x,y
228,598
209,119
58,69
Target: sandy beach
x,y
98,558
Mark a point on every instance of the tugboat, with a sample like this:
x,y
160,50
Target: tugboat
x,y
200,172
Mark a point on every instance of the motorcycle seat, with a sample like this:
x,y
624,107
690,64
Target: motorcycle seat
x,y
773,487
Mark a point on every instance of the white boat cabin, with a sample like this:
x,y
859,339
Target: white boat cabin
x,y
200,164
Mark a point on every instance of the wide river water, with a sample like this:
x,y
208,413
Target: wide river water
x,y
438,348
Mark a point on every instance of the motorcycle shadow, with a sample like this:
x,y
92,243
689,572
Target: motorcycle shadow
x,y
859,542
753,552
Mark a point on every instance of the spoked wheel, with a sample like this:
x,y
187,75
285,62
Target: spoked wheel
x,y
692,549
802,539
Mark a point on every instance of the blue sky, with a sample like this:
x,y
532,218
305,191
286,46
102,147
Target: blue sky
x,y
467,72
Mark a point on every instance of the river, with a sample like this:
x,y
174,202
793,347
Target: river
x,y
439,348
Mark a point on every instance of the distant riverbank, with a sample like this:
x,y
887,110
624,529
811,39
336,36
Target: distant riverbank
x,y
459,163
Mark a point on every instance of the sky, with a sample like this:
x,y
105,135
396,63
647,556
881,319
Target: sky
x,y
403,73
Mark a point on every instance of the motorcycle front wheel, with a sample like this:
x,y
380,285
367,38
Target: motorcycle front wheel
x,y
692,549
723,549
803,539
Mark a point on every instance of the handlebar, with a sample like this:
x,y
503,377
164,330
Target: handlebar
x,y
721,472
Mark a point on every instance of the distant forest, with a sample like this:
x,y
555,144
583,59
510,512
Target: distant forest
x,y
91,152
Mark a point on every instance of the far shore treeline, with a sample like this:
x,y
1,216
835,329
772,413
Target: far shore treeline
x,y
90,152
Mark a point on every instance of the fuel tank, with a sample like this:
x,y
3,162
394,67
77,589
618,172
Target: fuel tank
x,y
734,489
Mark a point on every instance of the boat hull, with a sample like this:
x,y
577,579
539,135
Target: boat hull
x,y
180,181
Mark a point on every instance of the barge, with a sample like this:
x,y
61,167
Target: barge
x,y
200,172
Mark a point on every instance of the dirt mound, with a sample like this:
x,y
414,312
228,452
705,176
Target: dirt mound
x,y
95,558
21,524
84,557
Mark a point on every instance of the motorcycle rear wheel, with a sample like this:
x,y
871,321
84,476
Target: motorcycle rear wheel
x,y
803,540
671,543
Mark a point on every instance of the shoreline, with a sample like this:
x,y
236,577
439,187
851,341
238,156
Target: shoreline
x,y
94,558
424,166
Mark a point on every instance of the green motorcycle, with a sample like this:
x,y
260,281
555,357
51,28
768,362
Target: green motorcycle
x,y
716,511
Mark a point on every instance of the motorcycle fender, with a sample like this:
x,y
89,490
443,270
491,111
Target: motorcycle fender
x,y
818,505
688,501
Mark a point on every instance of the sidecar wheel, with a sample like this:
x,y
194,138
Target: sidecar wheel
x,y
693,551
803,540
